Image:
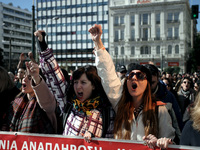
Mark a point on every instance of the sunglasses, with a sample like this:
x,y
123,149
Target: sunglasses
x,y
139,75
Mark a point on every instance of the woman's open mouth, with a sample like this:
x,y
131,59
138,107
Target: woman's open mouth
x,y
79,94
23,85
134,86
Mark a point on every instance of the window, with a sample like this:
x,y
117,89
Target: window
x,y
158,18
122,50
157,33
116,20
132,20
122,20
169,49
116,35
145,50
145,33
176,33
116,51
132,50
170,17
122,34
132,34
176,17
169,33
176,49
158,50
145,18
141,50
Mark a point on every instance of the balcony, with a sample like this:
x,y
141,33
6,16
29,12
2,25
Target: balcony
x,y
173,21
133,23
119,24
132,39
170,21
157,39
173,38
157,22
169,38
145,39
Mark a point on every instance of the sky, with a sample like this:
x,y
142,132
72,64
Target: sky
x,y
28,4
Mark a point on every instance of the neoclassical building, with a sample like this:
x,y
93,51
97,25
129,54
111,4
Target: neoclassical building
x,y
150,30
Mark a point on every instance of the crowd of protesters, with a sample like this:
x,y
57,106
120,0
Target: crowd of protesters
x,y
138,103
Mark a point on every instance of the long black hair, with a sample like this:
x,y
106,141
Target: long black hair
x,y
91,73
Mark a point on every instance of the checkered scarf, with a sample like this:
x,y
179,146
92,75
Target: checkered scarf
x,y
27,116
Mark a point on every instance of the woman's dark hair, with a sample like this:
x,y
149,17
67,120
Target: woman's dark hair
x,y
124,116
5,80
91,74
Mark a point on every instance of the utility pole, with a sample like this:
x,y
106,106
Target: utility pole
x,y
33,29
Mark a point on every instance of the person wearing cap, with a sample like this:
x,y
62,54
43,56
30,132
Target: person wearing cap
x,y
138,116
121,72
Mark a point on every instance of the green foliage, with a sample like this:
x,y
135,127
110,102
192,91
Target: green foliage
x,y
172,70
193,56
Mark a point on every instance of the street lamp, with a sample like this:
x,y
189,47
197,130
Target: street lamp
x,y
9,64
116,54
162,59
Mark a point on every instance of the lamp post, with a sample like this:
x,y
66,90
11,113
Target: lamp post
x,y
162,60
33,29
10,50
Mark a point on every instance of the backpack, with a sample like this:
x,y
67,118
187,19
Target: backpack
x,y
174,120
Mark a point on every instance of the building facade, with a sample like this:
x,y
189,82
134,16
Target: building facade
x,y
16,34
150,30
66,23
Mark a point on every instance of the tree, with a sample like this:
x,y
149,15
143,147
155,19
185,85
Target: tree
x,y
172,70
194,53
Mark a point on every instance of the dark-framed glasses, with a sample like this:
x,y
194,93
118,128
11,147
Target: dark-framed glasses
x,y
139,75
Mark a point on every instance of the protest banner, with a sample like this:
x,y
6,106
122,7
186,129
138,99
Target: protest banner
x,y
25,141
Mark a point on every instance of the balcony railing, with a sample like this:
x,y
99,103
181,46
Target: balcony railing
x,y
157,38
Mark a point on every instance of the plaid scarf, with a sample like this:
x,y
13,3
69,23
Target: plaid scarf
x,y
87,105
27,116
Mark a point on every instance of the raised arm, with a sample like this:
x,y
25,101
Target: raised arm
x,y
54,77
22,58
43,95
105,67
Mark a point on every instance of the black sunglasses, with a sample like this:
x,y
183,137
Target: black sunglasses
x,y
139,75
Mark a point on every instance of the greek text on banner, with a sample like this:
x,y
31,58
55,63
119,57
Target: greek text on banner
x,y
24,141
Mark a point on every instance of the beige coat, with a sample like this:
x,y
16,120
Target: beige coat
x,y
46,101
113,88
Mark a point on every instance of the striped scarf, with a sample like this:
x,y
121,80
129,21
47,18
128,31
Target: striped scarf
x,y
27,116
